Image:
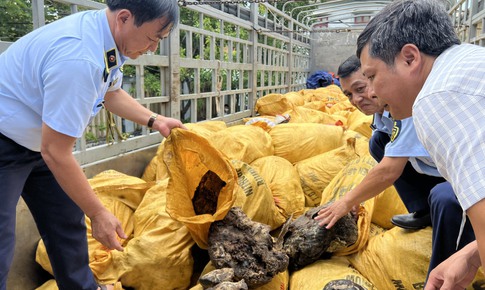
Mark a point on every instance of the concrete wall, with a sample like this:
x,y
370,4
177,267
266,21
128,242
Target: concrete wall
x,y
329,49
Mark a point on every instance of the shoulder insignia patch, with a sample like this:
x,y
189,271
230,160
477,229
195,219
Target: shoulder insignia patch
x,y
110,61
395,130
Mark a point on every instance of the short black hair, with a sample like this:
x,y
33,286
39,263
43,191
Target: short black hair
x,y
424,23
348,67
148,10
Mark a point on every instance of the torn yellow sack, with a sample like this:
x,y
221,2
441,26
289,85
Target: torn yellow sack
x,y
189,157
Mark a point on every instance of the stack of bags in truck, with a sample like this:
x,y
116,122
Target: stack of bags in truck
x,y
303,150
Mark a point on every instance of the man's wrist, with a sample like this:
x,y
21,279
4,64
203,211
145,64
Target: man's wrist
x,y
153,118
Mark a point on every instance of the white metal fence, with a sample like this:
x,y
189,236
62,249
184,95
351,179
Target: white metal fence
x,y
468,17
214,66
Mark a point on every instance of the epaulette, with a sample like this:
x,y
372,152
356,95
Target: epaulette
x,y
110,61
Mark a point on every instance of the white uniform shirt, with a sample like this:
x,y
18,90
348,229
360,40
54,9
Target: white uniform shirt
x,y
405,143
57,74
449,114
382,123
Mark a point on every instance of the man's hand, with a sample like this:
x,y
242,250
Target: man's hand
x,y
106,229
330,215
456,272
164,125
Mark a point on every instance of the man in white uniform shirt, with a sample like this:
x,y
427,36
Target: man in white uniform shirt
x,y
52,81
416,65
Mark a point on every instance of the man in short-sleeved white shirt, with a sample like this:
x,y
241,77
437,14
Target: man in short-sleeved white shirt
x,y
428,74
395,146
52,82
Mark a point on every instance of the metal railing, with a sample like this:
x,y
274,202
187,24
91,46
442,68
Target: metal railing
x,y
214,66
468,17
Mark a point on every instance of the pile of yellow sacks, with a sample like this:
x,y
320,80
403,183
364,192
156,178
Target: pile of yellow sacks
x,y
272,171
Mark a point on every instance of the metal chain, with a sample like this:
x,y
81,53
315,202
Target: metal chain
x,y
185,3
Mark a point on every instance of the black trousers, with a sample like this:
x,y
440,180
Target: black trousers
x,y
59,220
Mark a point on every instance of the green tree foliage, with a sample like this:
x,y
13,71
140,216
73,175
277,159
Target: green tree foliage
x,y
15,19
16,16
202,49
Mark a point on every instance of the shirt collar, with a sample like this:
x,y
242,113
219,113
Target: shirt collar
x,y
110,48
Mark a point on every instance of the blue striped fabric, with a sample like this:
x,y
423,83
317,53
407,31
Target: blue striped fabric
x,y
449,116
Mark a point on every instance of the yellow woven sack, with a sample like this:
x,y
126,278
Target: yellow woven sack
x,y
331,88
279,282
254,196
271,118
299,141
375,230
332,94
317,105
245,143
99,256
273,104
159,255
387,204
157,170
304,92
284,183
344,105
294,98
189,157
150,171
323,272
206,128
317,172
361,142
396,259
345,113
51,285
305,115
359,122
125,188
120,194
349,177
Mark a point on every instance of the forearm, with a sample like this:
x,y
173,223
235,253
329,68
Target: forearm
x,y
71,178
123,105
56,151
378,179
471,253
476,216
